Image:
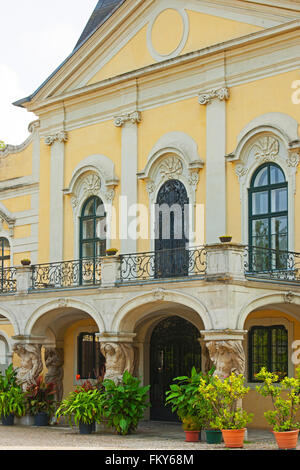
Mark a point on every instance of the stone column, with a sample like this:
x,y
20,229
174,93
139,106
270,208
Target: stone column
x,y
226,351
129,197
54,361
119,354
31,365
215,100
57,143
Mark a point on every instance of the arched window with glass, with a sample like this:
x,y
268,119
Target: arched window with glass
x,y
268,219
4,253
93,229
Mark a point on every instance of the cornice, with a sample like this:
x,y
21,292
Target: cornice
x,y
259,38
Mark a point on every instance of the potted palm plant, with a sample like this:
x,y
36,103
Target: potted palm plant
x,y
190,406
41,401
224,396
124,404
285,399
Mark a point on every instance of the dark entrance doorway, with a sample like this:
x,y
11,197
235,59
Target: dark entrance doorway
x,y
174,350
171,230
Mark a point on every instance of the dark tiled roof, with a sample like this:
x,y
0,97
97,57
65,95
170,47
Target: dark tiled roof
x,y
104,9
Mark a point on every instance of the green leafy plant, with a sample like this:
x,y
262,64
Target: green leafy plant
x,y
224,396
83,406
285,399
9,379
40,397
12,401
124,404
184,397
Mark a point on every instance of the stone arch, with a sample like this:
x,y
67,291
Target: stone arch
x,y
60,312
286,302
12,319
140,307
6,351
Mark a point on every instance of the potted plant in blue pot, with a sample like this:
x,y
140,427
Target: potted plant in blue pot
x,y
41,401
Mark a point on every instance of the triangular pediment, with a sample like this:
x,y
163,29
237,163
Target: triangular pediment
x,y
139,33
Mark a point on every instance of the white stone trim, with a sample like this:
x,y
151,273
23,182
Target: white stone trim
x,y
270,321
174,156
101,169
283,130
185,22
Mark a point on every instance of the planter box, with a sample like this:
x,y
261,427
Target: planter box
x,y
27,420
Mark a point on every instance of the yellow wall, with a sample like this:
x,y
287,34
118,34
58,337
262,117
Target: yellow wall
x,y
254,402
204,30
16,165
70,347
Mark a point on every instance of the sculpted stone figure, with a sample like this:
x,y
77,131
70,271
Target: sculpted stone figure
x,y
54,360
31,363
227,356
119,357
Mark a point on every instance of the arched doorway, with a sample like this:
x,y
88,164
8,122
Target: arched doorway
x,y
174,350
171,230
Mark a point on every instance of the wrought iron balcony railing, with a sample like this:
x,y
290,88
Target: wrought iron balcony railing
x,y
267,263
67,274
8,282
170,263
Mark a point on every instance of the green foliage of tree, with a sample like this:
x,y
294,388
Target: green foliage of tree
x,y
285,396
224,396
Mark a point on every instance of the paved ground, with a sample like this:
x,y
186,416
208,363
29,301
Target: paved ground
x,y
149,436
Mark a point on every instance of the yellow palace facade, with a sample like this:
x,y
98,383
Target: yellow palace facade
x,y
170,125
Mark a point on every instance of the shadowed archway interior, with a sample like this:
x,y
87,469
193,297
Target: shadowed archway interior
x,y
174,350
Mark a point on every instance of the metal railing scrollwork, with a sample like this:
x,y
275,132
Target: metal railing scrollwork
x,y
170,263
267,263
67,274
8,282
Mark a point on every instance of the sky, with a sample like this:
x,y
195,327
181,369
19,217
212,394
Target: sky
x,y
35,38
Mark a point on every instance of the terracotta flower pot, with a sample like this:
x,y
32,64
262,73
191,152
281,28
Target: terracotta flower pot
x,y
234,437
192,436
287,439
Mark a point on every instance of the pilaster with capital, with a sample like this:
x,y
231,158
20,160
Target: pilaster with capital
x,y
57,142
215,102
128,122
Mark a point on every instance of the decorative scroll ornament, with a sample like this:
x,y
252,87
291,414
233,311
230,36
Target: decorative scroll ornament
x,y
134,118
193,179
222,94
150,186
289,297
293,159
61,137
266,149
171,167
91,185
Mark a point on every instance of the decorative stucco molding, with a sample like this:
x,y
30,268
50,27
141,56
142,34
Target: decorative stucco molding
x,y
134,117
222,94
8,149
61,136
